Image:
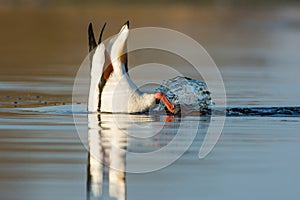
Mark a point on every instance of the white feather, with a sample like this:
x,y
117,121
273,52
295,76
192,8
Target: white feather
x,y
120,94
96,73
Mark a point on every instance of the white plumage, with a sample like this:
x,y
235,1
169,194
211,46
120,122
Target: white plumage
x,y
120,94
112,90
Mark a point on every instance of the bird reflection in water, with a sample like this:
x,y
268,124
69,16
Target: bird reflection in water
x,y
110,136
107,139
105,142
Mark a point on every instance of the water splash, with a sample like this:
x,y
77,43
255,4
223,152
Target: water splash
x,y
190,94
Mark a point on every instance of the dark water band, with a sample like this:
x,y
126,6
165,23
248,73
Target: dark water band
x,y
284,111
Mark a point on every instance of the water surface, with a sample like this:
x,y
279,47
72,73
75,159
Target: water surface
x,y
43,157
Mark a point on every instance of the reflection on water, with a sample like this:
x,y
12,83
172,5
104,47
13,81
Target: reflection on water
x,y
112,136
105,182
41,156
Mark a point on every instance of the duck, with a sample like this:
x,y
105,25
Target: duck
x,y
111,89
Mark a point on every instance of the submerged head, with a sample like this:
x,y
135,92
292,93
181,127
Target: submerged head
x,y
170,106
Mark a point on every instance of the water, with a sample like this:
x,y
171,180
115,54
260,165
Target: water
x,y
189,93
42,156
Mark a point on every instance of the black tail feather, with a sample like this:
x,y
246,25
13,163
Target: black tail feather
x,y
101,33
92,41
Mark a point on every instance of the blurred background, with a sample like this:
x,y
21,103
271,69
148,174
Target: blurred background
x,y
43,37
49,38
255,44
